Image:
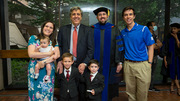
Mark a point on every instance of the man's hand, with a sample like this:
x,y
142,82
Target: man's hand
x,y
165,63
174,35
176,38
119,67
60,67
93,92
82,67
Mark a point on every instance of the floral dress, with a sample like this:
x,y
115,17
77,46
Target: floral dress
x,y
40,90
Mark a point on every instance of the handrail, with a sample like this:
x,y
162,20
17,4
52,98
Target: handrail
x,y
14,54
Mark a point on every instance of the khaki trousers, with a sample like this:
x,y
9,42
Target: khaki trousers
x,y
137,77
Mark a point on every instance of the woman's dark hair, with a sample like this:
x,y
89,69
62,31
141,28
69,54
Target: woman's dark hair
x,y
52,36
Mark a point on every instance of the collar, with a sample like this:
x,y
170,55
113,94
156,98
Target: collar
x,y
72,26
134,27
107,25
67,69
94,74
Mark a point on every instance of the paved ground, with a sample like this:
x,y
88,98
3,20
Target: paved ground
x,y
163,95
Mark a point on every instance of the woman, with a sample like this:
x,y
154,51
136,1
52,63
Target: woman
x,y
171,53
40,89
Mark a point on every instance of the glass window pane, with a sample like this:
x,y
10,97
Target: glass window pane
x,y
87,7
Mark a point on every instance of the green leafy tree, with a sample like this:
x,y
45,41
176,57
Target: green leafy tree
x,y
175,8
41,10
150,10
146,10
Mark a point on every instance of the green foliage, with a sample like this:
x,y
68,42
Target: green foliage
x,y
146,10
175,8
42,10
158,76
19,70
15,8
150,10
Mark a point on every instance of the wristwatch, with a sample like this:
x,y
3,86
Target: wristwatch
x,y
120,63
150,63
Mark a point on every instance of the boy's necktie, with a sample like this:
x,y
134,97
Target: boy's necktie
x,y
91,77
67,75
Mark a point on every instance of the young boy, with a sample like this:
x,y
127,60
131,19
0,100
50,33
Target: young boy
x,y
44,47
68,79
94,82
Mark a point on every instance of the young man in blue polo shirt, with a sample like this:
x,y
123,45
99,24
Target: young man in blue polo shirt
x,y
138,43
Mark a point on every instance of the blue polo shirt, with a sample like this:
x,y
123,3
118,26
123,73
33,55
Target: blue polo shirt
x,y
136,41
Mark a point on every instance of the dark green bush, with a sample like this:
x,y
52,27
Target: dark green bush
x,y
19,70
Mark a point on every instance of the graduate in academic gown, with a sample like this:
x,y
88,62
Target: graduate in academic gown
x,y
108,49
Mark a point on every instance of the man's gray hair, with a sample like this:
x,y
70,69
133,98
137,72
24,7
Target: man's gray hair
x,y
76,8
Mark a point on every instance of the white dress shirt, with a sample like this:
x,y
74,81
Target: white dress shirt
x,y
93,75
71,40
65,73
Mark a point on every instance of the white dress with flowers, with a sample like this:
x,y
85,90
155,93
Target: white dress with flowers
x,y
40,90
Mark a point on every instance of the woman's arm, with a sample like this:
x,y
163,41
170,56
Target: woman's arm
x,y
50,59
158,44
34,54
165,62
43,62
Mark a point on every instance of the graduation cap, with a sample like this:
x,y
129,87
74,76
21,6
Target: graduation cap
x,y
100,9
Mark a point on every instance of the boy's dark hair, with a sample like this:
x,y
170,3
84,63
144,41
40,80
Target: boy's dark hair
x,y
67,55
93,61
128,8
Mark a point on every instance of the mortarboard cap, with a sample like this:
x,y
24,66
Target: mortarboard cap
x,y
175,25
100,9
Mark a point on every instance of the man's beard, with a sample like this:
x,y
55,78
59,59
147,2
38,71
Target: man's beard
x,y
102,23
